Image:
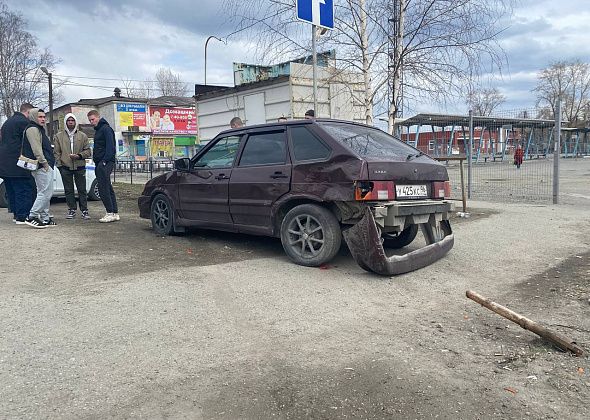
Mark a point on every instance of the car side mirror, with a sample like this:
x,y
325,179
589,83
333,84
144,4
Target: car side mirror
x,y
182,164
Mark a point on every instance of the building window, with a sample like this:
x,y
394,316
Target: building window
x,y
430,145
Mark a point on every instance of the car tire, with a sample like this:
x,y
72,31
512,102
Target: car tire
x,y
401,239
310,235
3,199
162,215
94,194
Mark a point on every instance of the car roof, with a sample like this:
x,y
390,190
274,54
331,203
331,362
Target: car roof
x,y
247,128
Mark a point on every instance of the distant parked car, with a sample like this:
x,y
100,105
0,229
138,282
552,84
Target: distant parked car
x,y
311,182
58,189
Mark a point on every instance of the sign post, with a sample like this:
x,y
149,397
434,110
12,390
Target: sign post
x,y
318,13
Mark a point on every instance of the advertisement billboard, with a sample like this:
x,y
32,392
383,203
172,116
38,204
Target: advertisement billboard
x,y
173,120
132,115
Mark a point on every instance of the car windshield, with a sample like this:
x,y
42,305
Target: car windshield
x,y
368,141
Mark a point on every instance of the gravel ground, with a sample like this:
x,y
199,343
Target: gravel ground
x,y
102,321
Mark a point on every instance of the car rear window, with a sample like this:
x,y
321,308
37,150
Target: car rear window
x,y
367,141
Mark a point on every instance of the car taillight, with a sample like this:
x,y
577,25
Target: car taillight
x,y
441,189
374,190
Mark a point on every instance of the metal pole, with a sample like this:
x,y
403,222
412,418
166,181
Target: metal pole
x,y
207,42
50,106
462,186
556,152
50,79
315,70
469,172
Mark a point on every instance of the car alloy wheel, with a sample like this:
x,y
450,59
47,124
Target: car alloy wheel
x,y
310,235
161,215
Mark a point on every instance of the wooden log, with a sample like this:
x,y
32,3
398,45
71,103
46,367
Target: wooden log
x,y
559,340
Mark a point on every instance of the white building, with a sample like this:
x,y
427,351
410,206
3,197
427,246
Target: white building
x,y
287,96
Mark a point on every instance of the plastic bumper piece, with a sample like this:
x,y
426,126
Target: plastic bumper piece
x,y
364,242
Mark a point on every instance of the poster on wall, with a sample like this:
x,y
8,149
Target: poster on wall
x,y
173,120
131,115
162,147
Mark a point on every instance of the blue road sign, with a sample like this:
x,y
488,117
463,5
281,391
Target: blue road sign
x,y
318,12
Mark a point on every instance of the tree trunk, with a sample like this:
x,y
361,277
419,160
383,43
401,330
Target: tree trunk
x,y
366,66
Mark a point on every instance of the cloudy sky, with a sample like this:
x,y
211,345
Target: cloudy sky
x,y
132,39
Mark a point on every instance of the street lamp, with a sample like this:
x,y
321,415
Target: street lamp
x,y
206,42
49,76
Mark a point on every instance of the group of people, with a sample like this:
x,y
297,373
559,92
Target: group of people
x,y
236,122
29,191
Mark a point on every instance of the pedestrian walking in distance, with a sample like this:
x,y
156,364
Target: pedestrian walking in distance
x,y
518,156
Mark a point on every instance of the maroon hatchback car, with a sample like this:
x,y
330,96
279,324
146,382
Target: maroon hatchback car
x,y
311,183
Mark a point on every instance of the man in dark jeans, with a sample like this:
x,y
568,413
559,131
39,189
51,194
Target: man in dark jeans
x,y
104,159
71,151
17,181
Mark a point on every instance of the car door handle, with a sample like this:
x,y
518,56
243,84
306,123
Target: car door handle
x,y
221,177
277,175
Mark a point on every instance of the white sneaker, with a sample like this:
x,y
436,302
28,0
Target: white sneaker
x,y
117,217
108,218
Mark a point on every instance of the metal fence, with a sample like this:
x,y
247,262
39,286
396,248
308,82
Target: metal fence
x,y
502,181
139,171
487,145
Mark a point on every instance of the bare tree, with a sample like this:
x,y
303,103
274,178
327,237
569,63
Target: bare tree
x,y
427,49
134,89
484,101
170,84
571,81
21,78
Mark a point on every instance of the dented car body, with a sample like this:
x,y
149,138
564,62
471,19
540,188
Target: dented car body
x,y
311,183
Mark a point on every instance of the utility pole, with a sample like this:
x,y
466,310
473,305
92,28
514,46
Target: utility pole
x,y
468,154
315,69
50,77
556,152
395,57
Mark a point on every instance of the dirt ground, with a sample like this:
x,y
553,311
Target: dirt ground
x,y
112,321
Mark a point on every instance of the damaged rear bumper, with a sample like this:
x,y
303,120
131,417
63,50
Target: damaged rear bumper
x,y
365,244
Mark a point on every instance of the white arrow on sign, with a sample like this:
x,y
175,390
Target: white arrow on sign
x,y
315,10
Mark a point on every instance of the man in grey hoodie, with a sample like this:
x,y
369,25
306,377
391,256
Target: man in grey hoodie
x,y
39,147
71,149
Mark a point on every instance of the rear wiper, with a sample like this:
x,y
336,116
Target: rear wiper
x,y
411,156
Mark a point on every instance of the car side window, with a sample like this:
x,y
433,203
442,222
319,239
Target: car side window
x,y
265,149
307,146
221,155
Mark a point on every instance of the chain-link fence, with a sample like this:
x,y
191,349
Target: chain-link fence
x,y
506,157
492,142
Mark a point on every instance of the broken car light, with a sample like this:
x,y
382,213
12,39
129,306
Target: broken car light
x,y
441,189
374,190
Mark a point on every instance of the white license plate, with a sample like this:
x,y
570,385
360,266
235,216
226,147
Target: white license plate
x,y
411,191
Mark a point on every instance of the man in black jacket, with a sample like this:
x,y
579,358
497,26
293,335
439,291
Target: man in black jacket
x,y
104,159
17,180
